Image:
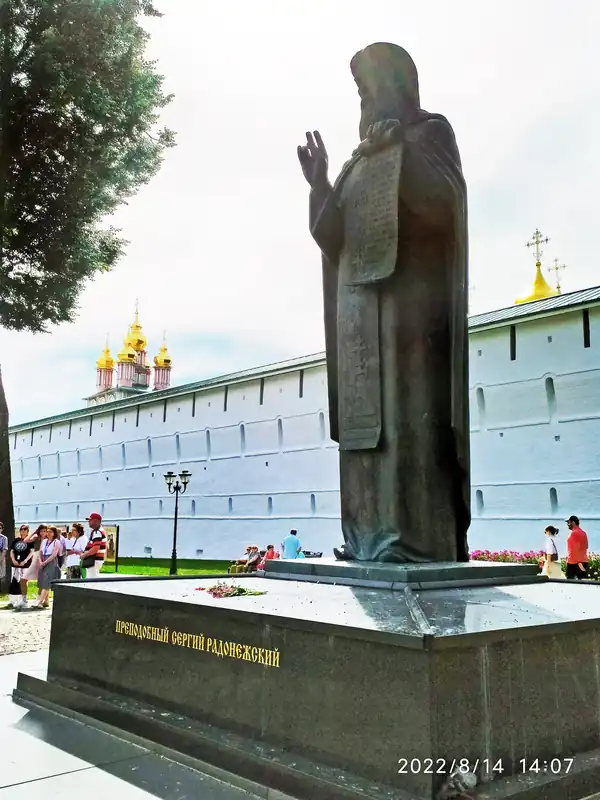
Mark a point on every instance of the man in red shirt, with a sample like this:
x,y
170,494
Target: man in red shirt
x,y
577,546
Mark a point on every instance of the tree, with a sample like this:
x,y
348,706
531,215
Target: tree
x,y
79,109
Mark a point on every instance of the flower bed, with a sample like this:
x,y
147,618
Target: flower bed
x,y
512,556
531,557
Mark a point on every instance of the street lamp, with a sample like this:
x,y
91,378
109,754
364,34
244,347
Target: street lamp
x,y
176,485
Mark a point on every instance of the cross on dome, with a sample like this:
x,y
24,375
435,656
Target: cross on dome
x,y
106,361
137,340
541,287
163,358
133,373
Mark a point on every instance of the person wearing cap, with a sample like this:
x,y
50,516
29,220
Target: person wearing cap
x,y
577,547
92,557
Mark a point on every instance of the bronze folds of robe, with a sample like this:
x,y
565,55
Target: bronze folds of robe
x,y
392,231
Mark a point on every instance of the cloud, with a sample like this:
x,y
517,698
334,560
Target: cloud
x,y
220,255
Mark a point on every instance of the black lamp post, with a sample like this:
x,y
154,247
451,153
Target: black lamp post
x,y
176,486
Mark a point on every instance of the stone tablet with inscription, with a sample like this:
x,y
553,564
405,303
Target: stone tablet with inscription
x,y
359,359
370,209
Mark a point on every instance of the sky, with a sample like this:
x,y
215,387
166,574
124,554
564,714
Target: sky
x,y
219,252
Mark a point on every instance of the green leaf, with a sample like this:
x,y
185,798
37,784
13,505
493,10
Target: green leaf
x,y
79,112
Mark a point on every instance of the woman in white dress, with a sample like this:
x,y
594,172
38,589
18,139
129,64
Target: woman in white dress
x,y
551,566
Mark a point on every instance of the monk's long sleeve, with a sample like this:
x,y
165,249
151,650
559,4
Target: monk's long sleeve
x,y
326,223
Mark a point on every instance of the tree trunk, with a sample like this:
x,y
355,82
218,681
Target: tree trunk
x,y
7,514
6,497
6,68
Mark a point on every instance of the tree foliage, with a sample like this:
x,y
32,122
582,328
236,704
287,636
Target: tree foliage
x,y
79,107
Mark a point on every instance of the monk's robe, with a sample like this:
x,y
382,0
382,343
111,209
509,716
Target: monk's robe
x,y
393,236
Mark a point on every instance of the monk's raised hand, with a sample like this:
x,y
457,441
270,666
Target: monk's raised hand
x,y
313,159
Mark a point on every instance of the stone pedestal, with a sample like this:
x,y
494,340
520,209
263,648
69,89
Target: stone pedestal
x,y
438,575
345,691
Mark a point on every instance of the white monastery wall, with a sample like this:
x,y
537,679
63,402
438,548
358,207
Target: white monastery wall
x,y
535,429
259,453
262,461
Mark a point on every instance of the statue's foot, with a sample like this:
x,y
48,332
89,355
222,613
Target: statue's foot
x,y
342,553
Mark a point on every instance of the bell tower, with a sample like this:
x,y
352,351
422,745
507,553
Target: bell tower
x,y
162,367
105,369
132,367
126,364
137,340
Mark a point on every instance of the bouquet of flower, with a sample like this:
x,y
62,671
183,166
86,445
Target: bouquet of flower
x,y
223,589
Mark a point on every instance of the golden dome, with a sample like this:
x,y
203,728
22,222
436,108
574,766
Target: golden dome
x,y
541,288
106,361
163,359
127,354
136,337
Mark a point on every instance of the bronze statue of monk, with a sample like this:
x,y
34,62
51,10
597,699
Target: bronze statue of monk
x,y
392,231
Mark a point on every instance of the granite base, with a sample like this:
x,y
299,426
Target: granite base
x,y
326,691
431,575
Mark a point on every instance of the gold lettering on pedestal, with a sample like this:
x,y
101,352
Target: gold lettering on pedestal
x,y
193,641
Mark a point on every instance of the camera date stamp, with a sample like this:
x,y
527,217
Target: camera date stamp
x,y
447,766
484,766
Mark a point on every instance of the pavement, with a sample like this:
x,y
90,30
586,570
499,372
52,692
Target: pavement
x,y
47,756
25,631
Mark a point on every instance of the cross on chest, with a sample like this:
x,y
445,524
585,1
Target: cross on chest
x,y
359,352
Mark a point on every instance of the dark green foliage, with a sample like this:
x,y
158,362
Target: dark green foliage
x,y
79,107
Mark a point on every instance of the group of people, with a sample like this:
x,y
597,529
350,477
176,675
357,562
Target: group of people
x,y
577,553
49,553
254,559
577,567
